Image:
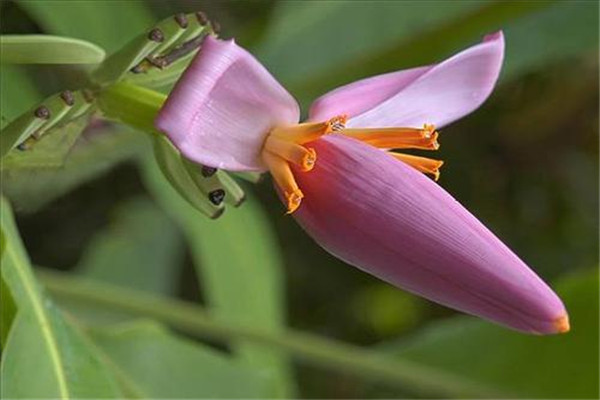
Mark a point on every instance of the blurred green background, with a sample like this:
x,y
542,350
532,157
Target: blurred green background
x,y
526,164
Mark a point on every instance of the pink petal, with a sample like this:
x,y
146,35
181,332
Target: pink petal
x,y
445,93
360,96
223,107
382,216
436,95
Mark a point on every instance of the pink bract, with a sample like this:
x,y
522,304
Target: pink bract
x,y
223,106
391,221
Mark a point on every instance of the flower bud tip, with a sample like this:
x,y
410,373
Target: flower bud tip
x,y
562,324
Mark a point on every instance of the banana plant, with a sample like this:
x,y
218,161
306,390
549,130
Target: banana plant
x,y
152,60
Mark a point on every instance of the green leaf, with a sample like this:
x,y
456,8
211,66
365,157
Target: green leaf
x,y
93,154
240,270
110,24
8,310
45,356
17,93
158,364
48,49
364,363
562,366
550,36
140,249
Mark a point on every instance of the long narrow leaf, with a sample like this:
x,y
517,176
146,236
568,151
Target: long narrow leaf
x,y
44,355
179,368
48,49
313,350
110,24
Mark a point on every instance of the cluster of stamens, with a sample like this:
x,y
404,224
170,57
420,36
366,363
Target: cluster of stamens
x,y
286,145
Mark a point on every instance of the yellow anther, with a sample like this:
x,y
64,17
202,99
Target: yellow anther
x,y
422,164
309,160
303,157
293,200
337,124
284,179
428,130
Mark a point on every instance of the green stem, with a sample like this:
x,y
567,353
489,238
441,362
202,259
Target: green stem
x,y
318,351
131,104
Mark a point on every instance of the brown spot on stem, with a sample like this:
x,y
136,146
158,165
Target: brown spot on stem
x,y
42,112
88,96
208,171
202,18
67,97
156,35
181,20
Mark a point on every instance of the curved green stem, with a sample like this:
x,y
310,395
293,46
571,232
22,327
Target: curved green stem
x,y
309,348
131,104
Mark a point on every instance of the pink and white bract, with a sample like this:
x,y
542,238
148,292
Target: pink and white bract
x,y
364,203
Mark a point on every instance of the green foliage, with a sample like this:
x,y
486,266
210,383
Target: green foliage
x,y
156,364
557,367
109,24
32,187
17,93
140,249
241,277
8,310
44,356
538,40
311,349
48,49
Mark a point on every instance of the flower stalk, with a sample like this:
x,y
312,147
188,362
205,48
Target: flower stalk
x,y
131,104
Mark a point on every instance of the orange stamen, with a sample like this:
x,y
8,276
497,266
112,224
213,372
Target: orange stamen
x,y
397,138
303,157
309,131
284,178
422,164
284,145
